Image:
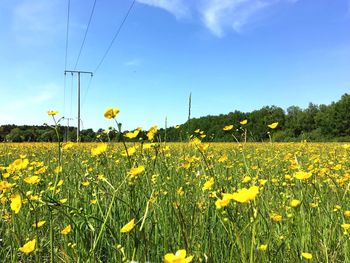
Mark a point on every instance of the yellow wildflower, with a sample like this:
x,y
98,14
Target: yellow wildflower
x,y
295,203
52,113
111,113
98,150
203,147
178,257
151,132
67,145
306,255
86,183
132,135
222,158
128,227
245,195
19,164
136,170
263,247
130,151
273,125
246,179
243,122
64,200
41,170
39,224
208,184
275,217
66,230
4,185
347,213
32,179
301,175
28,247
16,202
345,226
228,128
220,203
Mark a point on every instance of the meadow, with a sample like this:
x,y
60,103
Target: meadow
x,y
145,201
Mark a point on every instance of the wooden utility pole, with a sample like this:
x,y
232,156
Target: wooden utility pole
x,y
78,72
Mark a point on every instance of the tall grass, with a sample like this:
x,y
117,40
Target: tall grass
x,y
97,196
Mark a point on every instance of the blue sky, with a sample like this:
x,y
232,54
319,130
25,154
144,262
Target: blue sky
x,y
231,54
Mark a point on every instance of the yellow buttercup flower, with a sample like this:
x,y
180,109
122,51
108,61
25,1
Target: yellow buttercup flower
x,y
101,148
128,227
52,113
345,226
111,113
63,201
295,203
223,158
32,179
245,195
4,185
67,145
178,257
208,184
263,247
243,122
28,247
19,164
39,224
275,217
16,202
301,175
228,128
86,183
66,230
151,132
220,203
347,213
133,134
136,171
203,147
306,255
273,125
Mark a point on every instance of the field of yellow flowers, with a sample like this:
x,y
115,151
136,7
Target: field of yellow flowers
x,y
184,202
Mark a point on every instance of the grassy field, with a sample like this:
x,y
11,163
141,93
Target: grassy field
x,y
229,202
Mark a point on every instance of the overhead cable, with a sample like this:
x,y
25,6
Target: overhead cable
x,y
115,36
86,31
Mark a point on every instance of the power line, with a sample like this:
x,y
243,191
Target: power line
x,y
67,33
86,31
115,36
65,59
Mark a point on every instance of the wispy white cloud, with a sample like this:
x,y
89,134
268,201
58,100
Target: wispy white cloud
x,y
133,63
179,8
217,15
221,14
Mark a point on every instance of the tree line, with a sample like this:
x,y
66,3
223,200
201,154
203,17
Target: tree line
x,y
314,123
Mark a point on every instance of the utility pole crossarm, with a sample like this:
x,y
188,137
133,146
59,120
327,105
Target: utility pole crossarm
x,y
78,72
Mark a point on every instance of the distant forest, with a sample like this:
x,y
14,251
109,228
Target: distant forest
x,y
315,123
